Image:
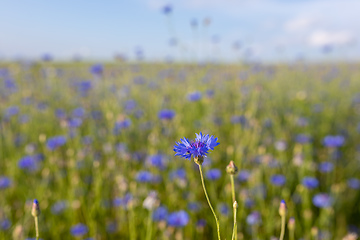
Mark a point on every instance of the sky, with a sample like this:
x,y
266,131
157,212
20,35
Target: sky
x,y
195,30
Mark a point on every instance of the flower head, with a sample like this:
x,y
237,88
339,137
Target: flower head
x,y
199,147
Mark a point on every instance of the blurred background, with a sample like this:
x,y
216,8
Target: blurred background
x,y
188,30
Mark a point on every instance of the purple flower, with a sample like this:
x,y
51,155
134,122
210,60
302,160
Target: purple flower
x,y
278,180
28,163
326,167
55,142
310,182
334,141
119,125
302,138
78,112
58,207
198,148
5,182
354,183
178,173
5,224
79,230
224,209
166,114
194,96
178,219
160,214
322,200
144,176
11,111
97,69
157,160
130,105
213,174
84,87
74,122
123,202
243,176
253,218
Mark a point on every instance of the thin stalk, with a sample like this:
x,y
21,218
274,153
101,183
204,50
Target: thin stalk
x,y
37,227
233,200
282,233
292,235
132,224
234,234
208,200
149,226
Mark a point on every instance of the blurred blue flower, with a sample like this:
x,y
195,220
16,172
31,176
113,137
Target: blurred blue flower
x,y
111,227
5,224
157,160
194,96
130,105
47,57
97,69
199,147
326,167
322,200
10,84
194,206
160,214
79,230
28,163
333,141
243,176
167,9
122,124
354,183
55,142
302,138
178,219
74,122
213,174
59,207
144,176
123,202
253,218
239,119
179,173
11,111
278,180
201,223
224,209
310,182
60,113
166,114
78,112
87,140
5,182
84,87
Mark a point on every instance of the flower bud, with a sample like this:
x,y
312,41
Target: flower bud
x,y
282,208
291,224
231,168
35,211
235,205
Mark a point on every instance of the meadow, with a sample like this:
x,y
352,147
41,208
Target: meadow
x,y
93,143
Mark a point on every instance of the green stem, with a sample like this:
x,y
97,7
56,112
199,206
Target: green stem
x,y
283,218
235,225
208,200
37,227
149,226
132,224
233,200
292,235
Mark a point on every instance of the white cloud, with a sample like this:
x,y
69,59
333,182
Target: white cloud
x,y
320,38
299,24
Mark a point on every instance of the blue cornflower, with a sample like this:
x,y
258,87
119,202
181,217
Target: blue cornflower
x,y
55,142
167,9
74,122
5,182
253,218
354,183
144,176
97,69
198,148
59,207
84,87
119,125
160,214
326,167
194,96
78,112
213,174
224,209
278,179
201,223
157,160
79,230
243,176
5,224
166,114
28,163
179,173
302,138
60,113
11,111
333,141
130,105
194,206
322,200
123,202
310,182
178,219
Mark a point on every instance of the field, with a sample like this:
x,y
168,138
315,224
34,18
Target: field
x,y
91,142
